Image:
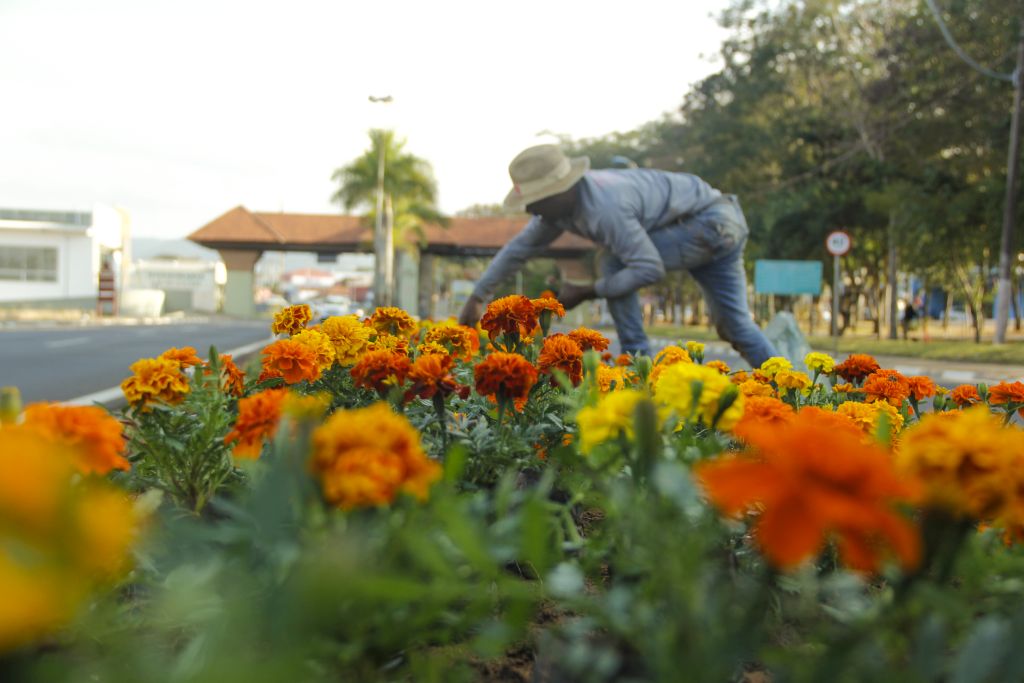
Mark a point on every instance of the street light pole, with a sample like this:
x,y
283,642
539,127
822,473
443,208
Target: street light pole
x,y
381,269
1004,291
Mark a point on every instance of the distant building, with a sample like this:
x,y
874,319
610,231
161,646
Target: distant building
x,y
53,258
188,285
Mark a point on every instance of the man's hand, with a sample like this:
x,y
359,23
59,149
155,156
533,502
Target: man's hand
x,y
573,295
471,312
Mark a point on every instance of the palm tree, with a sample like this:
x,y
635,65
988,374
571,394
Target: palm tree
x,y
407,199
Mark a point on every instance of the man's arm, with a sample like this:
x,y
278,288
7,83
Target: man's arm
x,y
626,238
535,236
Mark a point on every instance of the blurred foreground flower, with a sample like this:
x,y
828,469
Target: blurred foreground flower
x,y
366,457
92,434
812,482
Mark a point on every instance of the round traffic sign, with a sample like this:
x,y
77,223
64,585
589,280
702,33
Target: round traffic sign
x,y
837,243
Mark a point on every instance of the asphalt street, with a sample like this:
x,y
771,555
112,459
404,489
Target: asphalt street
x,y
62,363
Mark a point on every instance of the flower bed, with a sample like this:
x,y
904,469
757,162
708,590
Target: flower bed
x,y
394,500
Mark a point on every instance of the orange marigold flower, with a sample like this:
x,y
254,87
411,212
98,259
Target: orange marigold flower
x,y
548,303
843,388
380,370
813,482
291,319
430,375
868,415
856,367
965,395
589,339
233,379
291,360
94,435
755,388
618,374
513,315
505,376
719,365
258,418
366,457
623,359
392,321
967,461
548,294
1007,393
155,379
759,410
886,385
562,352
739,377
185,356
921,387
461,341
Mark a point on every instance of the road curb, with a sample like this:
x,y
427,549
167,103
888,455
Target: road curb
x,y
113,395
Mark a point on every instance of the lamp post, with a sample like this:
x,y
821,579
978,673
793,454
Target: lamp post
x,y
383,245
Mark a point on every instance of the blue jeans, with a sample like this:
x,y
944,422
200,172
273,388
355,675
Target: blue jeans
x,y
709,246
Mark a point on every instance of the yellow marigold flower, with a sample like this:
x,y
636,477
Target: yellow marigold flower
x,y
392,321
752,387
94,434
306,407
155,379
428,348
792,379
366,457
819,362
320,344
611,417
966,461
670,355
867,415
719,365
695,349
186,356
461,341
389,342
106,525
606,375
675,389
843,388
291,319
349,336
773,365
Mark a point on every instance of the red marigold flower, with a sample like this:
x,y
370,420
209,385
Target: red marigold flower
x,y
94,434
380,370
856,367
589,339
291,360
886,385
258,419
291,319
965,395
921,387
812,482
505,376
513,315
564,353
430,374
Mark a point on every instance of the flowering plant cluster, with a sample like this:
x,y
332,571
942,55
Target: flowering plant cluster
x,y
394,499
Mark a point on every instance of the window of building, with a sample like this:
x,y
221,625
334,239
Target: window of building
x,y
31,264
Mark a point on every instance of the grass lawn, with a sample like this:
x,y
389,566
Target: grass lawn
x,y
1011,353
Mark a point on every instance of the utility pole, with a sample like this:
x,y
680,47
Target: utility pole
x,y
1006,260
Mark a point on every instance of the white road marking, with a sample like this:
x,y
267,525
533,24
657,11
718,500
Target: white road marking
x,y
62,343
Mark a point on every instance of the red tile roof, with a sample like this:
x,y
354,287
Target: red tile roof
x,y
241,228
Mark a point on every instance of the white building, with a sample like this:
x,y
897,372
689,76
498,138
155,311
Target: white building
x,y
54,257
189,285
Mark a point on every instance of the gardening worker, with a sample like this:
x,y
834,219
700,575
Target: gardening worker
x,y
649,222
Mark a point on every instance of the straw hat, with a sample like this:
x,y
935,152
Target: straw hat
x,y
542,171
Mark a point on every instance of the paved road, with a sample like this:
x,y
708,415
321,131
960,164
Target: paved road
x,y
58,364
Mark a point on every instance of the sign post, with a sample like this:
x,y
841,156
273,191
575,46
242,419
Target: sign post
x,y
838,244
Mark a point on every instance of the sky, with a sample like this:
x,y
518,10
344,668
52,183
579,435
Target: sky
x,y
179,111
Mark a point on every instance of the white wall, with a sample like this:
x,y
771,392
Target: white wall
x,y
75,275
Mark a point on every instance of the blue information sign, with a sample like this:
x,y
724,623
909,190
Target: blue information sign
x,y
787,277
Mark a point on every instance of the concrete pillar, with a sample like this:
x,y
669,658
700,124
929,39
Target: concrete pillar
x,y
428,293
238,290
407,280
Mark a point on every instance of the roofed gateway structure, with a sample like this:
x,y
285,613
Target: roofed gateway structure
x,y
241,236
